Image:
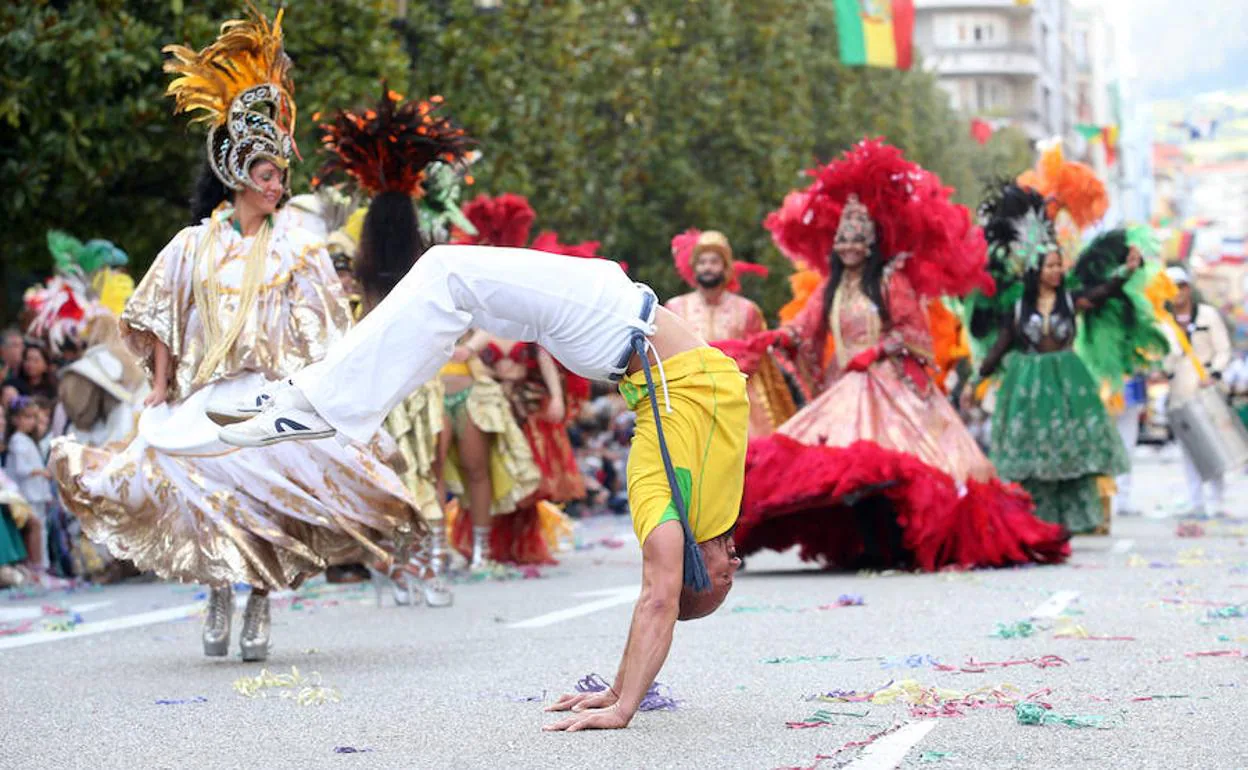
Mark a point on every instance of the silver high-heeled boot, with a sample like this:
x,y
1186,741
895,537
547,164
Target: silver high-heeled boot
x,y
254,641
480,547
217,622
427,578
439,554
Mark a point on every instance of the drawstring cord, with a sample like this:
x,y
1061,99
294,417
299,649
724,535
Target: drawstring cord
x,y
695,573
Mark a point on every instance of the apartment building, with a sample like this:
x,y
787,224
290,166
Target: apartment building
x,y
1004,61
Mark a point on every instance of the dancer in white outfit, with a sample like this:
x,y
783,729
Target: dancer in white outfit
x,y
599,324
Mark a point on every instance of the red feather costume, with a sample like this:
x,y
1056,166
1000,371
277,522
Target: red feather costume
x,y
877,470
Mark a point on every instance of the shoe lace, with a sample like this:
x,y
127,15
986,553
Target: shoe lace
x,y
220,606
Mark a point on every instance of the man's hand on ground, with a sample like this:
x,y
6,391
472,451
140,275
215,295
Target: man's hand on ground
x,y
607,719
580,701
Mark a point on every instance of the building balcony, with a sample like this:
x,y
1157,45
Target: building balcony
x,y
970,5
1011,59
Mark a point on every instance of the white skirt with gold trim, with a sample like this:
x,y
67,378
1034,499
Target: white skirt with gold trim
x,y
177,502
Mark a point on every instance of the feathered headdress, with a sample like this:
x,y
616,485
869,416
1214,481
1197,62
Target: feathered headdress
x,y
1020,235
391,148
241,87
504,220
935,241
1067,186
86,284
1018,230
692,242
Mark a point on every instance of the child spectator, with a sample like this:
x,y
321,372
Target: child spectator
x,y
25,464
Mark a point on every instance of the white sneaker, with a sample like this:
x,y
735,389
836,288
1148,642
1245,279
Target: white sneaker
x,y
287,416
228,413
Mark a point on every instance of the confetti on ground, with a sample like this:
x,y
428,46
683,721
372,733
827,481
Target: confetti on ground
x,y
1031,713
929,702
842,601
822,718
807,659
1215,654
16,628
496,572
972,666
1226,612
350,750
181,701
935,756
819,758
306,691
1019,630
911,661
1189,529
53,617
658,697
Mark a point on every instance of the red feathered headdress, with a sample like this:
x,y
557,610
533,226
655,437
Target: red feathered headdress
x,y
388,148
944,252
692,241
505,220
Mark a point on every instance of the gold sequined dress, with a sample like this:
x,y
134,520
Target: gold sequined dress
x,y
178,502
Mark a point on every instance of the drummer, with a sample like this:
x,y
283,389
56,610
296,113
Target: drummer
x,y
1211,347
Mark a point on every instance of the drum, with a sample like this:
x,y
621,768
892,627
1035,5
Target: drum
x,y
1212,434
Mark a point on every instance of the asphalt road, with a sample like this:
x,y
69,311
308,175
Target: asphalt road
x,y
124,685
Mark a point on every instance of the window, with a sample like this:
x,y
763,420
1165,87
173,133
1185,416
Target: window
x,y
970,29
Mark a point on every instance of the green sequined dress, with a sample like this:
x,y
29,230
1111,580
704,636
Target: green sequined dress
x,y
1051,434
1050,430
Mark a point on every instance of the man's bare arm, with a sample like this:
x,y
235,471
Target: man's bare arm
x,y
649,635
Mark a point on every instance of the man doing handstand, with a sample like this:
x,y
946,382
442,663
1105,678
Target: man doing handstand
x,y
586,312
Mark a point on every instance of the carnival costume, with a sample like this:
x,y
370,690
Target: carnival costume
x,y
878,471
100,391
1121,338
410,152
729,322
1050,430
235,311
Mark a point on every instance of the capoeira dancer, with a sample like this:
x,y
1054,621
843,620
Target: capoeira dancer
x,y
686,466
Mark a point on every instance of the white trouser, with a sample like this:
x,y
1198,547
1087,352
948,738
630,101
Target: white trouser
x,y
1129,430
584,312
1196,485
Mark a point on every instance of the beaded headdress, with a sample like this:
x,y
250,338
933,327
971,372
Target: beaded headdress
x,y
855,222
240,85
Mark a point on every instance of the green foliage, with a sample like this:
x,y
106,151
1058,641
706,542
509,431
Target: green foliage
x,y
87,141
627,123
623,122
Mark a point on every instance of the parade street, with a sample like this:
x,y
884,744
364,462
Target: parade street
x,y
1135,645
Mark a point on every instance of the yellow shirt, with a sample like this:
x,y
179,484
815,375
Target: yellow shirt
x,y
706,434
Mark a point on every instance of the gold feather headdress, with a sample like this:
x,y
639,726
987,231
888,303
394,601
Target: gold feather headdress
x,y
241,87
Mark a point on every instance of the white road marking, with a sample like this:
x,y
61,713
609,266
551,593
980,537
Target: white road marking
x,y
888,752
612,597
10,614
1053,606
101,627
1122,546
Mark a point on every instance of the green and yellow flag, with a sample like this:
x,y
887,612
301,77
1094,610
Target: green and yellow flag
x,y
876,33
